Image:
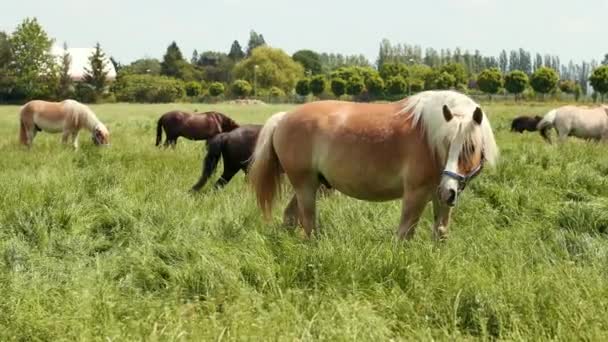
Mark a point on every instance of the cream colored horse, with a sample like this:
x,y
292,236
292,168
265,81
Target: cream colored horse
x,y
67,117
581,122
423,148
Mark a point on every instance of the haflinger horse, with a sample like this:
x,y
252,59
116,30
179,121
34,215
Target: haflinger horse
x,y
192,126
68,117
581,122
235,148
423,148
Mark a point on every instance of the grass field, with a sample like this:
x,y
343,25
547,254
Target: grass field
x,y
106,244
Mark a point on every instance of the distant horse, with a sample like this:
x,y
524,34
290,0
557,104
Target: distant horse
x,y
192,126
68,117
525,123
581,122
235,148
424,148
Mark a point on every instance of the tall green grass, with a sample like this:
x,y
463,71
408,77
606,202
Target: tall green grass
x,y
107,244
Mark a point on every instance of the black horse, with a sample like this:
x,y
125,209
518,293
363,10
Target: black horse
x,y
525,123
235,147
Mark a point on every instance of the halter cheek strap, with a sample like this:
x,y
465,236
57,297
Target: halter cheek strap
x,y
463,180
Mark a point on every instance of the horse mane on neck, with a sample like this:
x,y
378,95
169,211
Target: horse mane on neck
x,y
82,114
223,120
425,111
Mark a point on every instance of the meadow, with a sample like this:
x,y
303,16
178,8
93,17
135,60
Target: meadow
x,y
107,244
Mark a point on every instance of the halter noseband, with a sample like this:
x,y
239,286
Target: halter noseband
x,y
463,180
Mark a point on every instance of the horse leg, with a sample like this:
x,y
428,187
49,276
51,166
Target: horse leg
x,y
229,172
562,136
290,215
75,139
414,203
64,137
441,214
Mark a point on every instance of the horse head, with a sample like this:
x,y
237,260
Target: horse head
x,y
465,156
101,135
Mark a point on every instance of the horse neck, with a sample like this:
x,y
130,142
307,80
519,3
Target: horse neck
x,y
91,121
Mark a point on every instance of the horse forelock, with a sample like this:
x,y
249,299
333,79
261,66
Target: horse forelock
x,y
425,109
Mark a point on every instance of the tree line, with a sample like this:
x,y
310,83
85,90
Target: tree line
x,y
28,70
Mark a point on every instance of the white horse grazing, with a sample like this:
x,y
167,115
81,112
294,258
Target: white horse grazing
x,y
582,122
68,117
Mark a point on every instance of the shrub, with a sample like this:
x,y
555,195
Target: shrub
x,y
355,86
317,85
303,87
216,89
599,80
241,88
516,82
375,86
338,86
276,92
396,85
489,81
148,88
193,88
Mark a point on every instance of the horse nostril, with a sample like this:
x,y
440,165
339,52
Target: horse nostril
x,y
452,198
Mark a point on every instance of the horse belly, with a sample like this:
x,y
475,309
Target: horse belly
x,y
47,125
362,177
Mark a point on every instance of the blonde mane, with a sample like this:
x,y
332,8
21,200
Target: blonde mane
x,y
426,109
82,115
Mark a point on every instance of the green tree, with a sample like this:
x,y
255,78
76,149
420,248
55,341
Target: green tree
x,y
516,82
255,40
375,86
216,66
578,91
172,61
310,60
274,68
355,86
318,85
303,87
489,81
96,74
599,80
241,88
216,89
276,92
65,79
33,66
144,66
236,52
338,86
6,78
544,80
396,85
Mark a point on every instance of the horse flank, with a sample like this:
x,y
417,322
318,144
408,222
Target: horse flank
x,y
425,109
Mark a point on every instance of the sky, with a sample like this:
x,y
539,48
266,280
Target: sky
x,y
132,29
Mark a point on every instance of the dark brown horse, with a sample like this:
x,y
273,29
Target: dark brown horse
x,y
525,123
235,148
192,126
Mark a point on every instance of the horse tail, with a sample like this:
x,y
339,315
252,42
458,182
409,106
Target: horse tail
x,y
159,131
22,127
265,171
546,124
215,147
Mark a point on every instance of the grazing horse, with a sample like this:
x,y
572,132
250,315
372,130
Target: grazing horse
x,y
525,123
192,126
235,148
581,122
420,149
68,117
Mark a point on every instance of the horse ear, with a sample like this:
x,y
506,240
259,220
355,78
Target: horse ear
x,y
447,113
478,115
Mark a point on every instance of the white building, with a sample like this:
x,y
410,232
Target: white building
x,y
80,61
